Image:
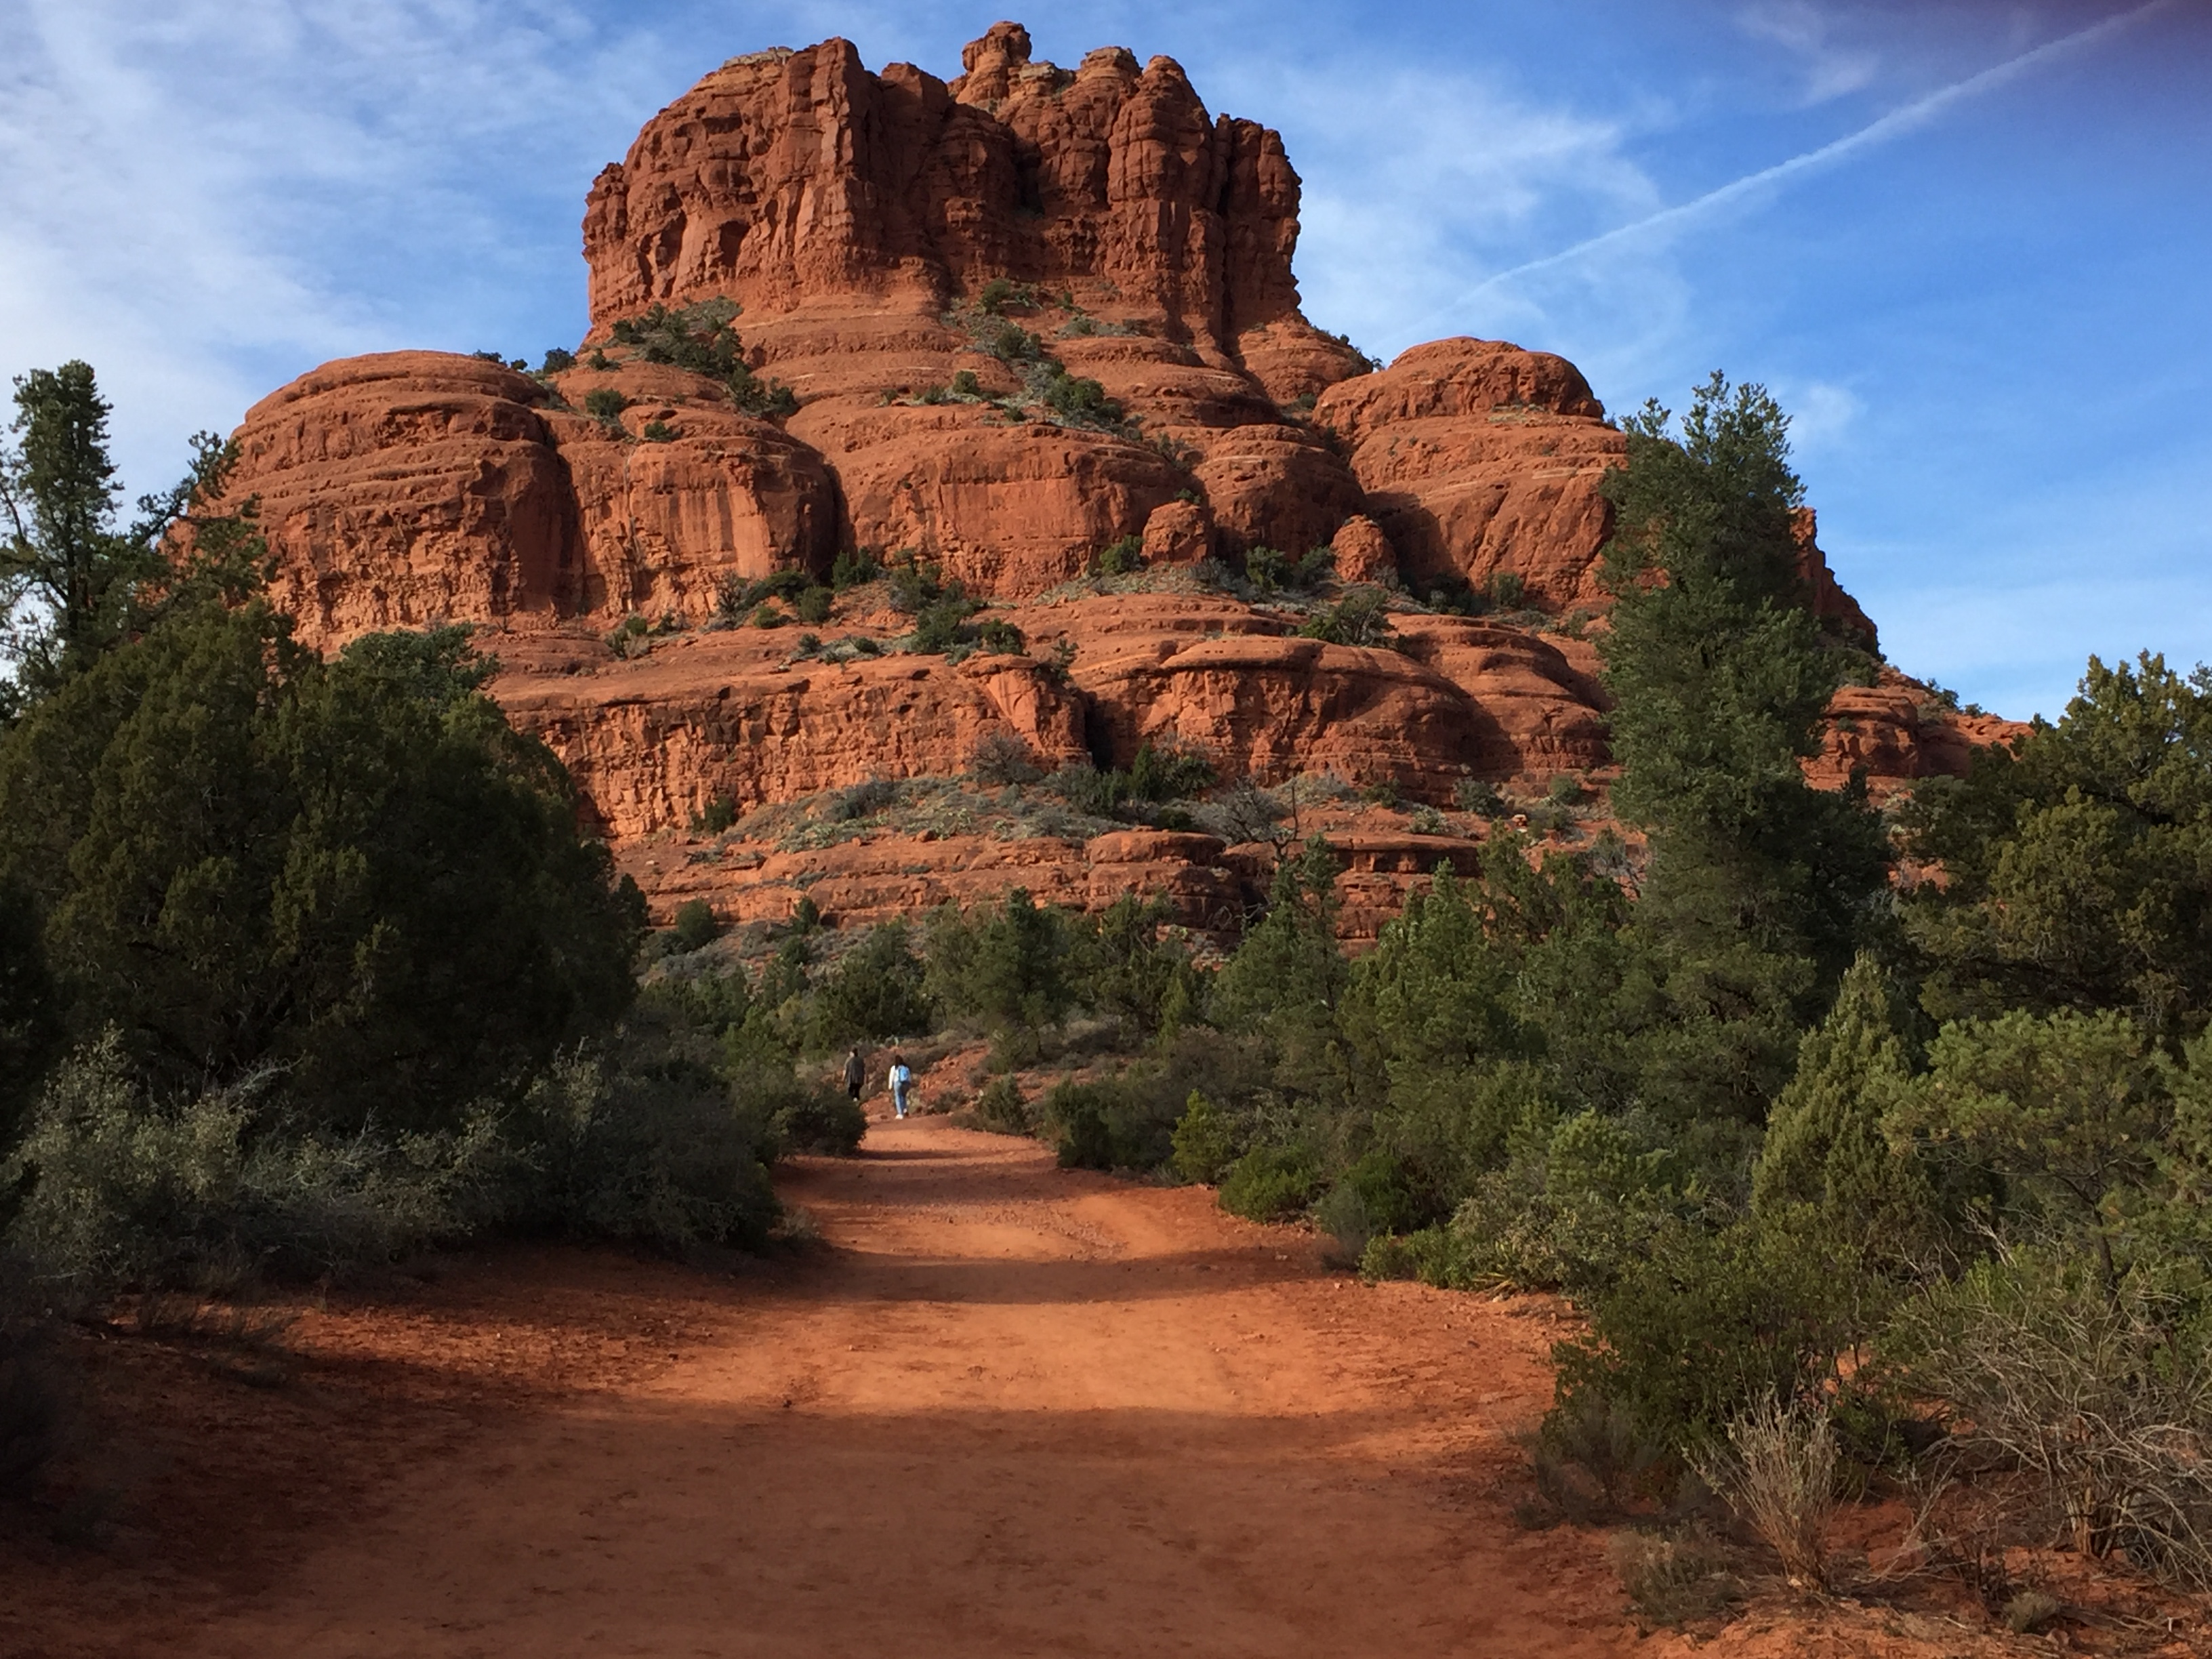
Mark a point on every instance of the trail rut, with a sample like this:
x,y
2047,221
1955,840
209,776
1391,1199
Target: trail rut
x,y
1011,1410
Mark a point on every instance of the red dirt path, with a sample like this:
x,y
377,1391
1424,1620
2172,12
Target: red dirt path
x,y
1010,1410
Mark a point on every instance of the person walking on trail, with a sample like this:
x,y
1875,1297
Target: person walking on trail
x,y
856,1074
901,1081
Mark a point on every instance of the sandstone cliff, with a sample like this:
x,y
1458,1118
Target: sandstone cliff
x,y
996,325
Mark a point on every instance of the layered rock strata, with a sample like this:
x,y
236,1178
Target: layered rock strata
x,y
935,268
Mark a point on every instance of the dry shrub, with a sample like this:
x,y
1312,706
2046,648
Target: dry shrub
x,y
2030,1610
1001,757
1778,1472
2092,1397
1592,1458
1673,1578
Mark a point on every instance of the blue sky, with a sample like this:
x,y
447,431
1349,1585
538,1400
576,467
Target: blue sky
x,y
1991,313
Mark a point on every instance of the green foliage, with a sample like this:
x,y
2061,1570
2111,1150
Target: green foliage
x,y
1154,777
604,405
658,432
876,991
125,1188
1205,1140
699,338
2066,1111
1759,887
1131,964
940,627
63,556
1001,967
1361,617
1829,1144
1102,1126
1122,557
1709,1322
1000,1108
813,604
716,816
2078,868
1271,1183
696,925
1078,400
31,1012
853,567
558,361
1290,973
1268,571
648,1145
357,872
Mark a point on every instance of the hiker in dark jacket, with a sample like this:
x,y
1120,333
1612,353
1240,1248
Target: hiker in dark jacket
x,y
856,1074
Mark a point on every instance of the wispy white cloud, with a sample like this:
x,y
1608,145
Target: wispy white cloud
x,y
1897,121
1821,413
208,196
1417,173
1831,68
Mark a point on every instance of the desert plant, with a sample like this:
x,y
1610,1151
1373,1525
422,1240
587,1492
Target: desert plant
x,y
658,432
696,925
863,800
813,604
2101,1394
854,566
1271,1183
1479,796
1205,1140
1777,1471
1361,617
1000,1108
1673,1578
719,812
604,405
558,361
1119,557
1001,757
1592,1458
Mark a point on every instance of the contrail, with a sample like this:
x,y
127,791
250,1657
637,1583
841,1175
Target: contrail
x,y
1899,120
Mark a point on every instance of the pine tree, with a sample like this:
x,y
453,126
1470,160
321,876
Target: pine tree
x,y
66,574
1759,887
1826,1148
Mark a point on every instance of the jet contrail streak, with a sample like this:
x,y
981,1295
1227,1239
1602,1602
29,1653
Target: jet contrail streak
x,y
1899,120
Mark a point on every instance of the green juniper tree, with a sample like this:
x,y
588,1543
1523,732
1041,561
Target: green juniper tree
x,y
67,574
1760,887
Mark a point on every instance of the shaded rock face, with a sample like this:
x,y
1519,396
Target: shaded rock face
x,y
859,218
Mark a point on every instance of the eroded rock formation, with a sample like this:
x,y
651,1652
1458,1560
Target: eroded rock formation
x,y
938,271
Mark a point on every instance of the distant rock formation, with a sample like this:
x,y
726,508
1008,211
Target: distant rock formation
x,y
936,270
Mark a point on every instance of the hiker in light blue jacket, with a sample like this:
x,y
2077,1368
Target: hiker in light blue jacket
x,y
902,1080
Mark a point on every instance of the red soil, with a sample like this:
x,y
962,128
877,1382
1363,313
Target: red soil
x,y
1006,1410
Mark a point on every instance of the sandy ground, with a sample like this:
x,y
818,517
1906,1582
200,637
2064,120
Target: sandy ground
x,y
1009,1410
1005,1410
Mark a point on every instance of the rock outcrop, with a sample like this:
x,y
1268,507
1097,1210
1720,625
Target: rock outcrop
x,y
1028,318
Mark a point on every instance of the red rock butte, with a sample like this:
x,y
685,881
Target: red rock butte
x,y
932,268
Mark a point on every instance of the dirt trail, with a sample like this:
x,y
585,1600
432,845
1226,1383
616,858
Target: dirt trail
x,y
1015,1411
